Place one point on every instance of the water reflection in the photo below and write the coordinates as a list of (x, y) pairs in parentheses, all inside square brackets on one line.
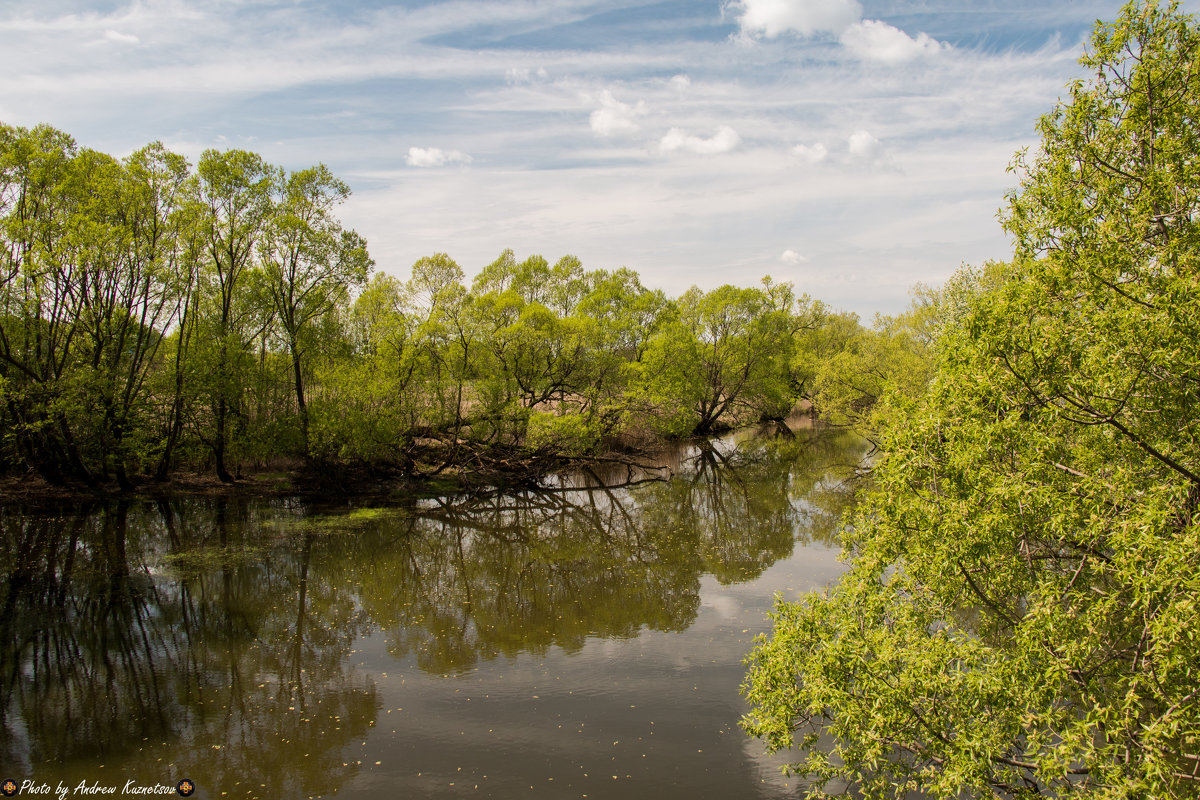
[(218, 637)]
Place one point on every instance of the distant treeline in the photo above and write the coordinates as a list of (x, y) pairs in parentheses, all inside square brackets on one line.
[(157, 315)]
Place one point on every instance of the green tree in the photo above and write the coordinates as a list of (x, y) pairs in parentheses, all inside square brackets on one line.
[(626, 312), (90, 286), (448, 338), (824, 335), (172, 381), (234, 189), (311, 263), (725, 350), (38, 305), (535, 351), (366, 407), (1021, 614), (857, 367), (129, 292)]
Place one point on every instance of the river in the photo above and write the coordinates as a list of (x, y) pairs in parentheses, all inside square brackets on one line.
[(572, 641)]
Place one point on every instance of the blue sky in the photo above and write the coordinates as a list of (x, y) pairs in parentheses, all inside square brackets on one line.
[(853, 148)]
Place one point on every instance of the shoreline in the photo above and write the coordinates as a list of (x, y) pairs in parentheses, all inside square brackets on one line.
[(322, 481), (647, 460)]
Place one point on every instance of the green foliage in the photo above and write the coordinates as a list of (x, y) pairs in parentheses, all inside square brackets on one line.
[(569, 434), (1021, 612), (155, 314), (86, 288), (356, 417), (722, 352), (311, 264), (363, 408), (858, 367)]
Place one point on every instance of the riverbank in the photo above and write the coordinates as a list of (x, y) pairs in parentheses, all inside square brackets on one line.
[(626, 461), (331, 480)]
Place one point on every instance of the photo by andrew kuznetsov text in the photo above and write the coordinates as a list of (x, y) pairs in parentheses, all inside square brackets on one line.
[(10, 788)]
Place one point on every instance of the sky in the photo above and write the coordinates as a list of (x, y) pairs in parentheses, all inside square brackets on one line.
[(851, 147)]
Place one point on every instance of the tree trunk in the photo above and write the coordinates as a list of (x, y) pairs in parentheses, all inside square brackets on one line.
[(301, 406), (176, 427), (219, 444), (176, 424), (74, 457)]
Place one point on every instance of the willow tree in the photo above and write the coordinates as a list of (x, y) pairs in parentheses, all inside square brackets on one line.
[(234, 189), (726, 350), (127, 245), (1022, 613), (87, 287), (365, 407), (311, 263), (38, 306)]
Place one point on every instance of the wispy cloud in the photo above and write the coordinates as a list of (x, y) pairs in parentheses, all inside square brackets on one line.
[(875, 146), (123, 38), (724, 140), (525, 74), (810, 153), (434, 157)]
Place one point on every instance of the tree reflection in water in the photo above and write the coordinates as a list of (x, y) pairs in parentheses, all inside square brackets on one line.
[(216, 637), (230, 670)]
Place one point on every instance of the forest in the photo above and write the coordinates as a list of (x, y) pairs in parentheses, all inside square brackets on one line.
[(157, 316)]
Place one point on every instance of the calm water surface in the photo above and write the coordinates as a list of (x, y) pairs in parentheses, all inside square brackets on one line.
[(573, 642)]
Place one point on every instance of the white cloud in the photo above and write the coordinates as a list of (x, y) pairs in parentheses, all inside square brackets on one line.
[(434, 157), (549, 185), (613, 116), (770, 18), (724, 140), (866, 149), (791, 257), (867, 39), (124, 38), (863, 145), (873, 40), (810, 154), (524, 74)]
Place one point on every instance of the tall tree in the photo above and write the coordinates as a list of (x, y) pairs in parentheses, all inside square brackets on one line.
[(311, 262), (366, 407), (188, 259), (448, 338), (234, 188), (126, 263), (40, 297), (1020, 618)]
